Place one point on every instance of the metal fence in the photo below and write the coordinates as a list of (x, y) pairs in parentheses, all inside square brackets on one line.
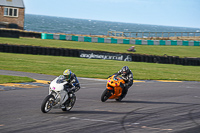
[(153, 34)]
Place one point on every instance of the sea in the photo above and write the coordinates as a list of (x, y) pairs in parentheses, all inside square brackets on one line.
[(52, 24)]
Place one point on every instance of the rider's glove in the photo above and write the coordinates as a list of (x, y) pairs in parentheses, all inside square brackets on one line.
[(109, 76), (75, 87)]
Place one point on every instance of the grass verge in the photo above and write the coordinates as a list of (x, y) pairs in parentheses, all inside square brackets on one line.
[(94, 68), (14, 79), (181, 51)]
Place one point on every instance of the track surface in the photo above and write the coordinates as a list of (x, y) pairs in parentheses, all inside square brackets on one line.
[(149, 107)]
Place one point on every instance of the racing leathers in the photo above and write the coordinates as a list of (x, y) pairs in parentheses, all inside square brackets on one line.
[(73, 83), (128, 78)]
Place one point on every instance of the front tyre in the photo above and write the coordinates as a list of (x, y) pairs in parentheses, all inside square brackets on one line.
[(70, 103), (106, 94), (47, 104)]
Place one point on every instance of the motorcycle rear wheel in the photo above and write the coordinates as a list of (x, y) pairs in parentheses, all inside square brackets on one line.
[(106, 94), (47, 104), (70, 103), (119, 99)]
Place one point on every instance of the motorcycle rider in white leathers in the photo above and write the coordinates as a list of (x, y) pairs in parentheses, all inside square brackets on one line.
[(72, 80)]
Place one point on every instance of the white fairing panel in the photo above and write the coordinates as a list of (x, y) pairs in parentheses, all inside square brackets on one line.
[(63, 96), (57, 86)]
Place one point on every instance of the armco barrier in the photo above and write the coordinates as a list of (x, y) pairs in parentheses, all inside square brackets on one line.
[(98, 54), (19, 33), (120, 41)]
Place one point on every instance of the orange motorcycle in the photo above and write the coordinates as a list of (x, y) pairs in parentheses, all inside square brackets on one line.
[(113, 88)]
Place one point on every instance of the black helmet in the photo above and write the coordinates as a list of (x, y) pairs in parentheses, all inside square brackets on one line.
[(125, 70)]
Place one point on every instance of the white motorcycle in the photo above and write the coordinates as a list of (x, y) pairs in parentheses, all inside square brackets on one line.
[(58, 96)]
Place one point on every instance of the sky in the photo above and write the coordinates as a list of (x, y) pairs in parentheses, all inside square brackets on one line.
[(181, 13)]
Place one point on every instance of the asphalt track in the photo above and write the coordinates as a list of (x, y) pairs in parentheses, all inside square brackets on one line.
[(149, 107)]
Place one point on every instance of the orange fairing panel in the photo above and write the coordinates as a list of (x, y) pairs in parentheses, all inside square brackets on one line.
[(118, 91), (115, 84), (109, 88), (117, 94)]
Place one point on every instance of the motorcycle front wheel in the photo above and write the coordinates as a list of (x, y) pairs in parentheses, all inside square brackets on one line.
[(70, 103), (47, 104), (106, 94)]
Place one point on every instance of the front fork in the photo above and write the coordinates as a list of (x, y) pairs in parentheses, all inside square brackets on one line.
[(110, 90), (109, 93), (55, 96)]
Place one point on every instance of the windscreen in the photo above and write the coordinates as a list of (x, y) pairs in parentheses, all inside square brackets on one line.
[(61, 79), (115, 78)]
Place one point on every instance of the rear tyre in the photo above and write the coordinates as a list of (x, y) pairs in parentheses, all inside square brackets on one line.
[(105, 95), (47, 104), (119, 99)]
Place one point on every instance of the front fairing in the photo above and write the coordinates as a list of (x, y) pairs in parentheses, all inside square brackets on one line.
[(113, 84), (56, 88), (114, 81), (58, 83)]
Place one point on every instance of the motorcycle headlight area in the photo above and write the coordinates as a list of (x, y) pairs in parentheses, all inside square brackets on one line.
[(53, 88)]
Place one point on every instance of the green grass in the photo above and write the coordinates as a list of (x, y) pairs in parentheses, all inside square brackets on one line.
[(181, 51), (14, 79), (94, 68), (99, 68)]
